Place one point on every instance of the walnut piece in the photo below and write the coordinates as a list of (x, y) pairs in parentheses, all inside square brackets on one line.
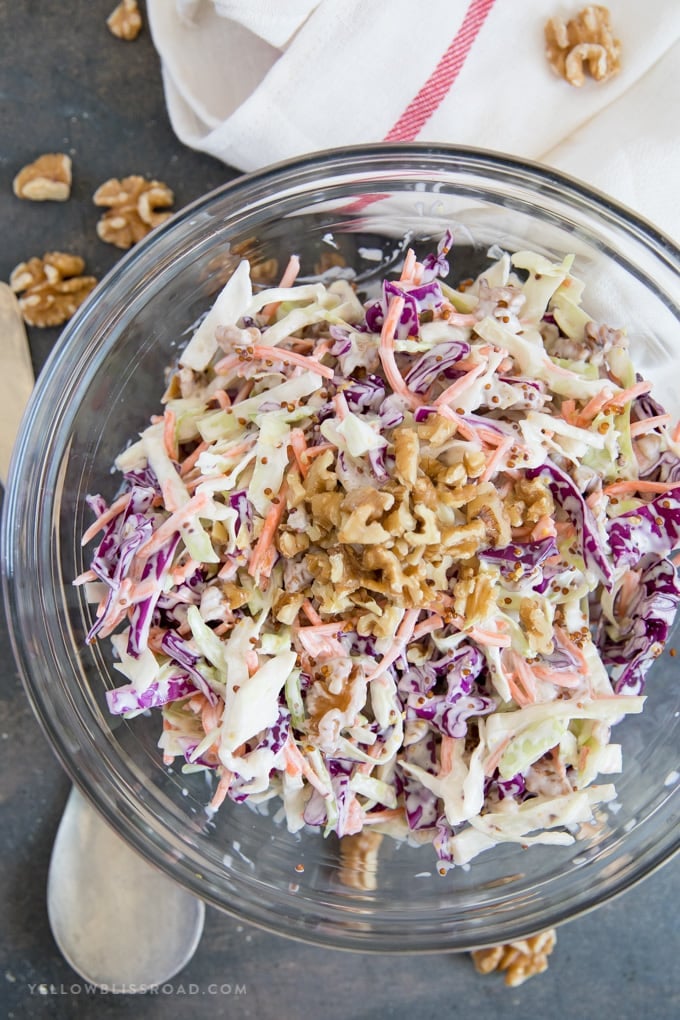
[(520, 960), (51, 288), (47, 179), (132, 203), (585, 41), (359, 860), (125, 21)]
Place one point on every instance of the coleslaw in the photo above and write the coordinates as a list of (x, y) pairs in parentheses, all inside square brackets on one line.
[(400, 563)]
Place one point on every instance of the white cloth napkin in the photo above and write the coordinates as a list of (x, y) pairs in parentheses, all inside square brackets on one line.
[(256, 81)]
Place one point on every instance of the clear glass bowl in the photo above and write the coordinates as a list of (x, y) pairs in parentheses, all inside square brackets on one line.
[(103, 381)]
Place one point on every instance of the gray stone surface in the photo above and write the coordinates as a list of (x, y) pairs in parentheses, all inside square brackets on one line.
[(67, 85)]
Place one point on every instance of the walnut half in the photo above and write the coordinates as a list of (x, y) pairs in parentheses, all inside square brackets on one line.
[(125, 22), (132, 204), (583, 42), (47, 179), (520, 960), (51, 288)]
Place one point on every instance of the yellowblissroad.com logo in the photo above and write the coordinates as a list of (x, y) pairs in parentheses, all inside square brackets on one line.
[(190, 988)]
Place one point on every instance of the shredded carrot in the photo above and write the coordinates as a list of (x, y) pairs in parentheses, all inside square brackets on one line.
[(87, 575), (675, 434), (257, 564), (273, 354), (340, 405), (490, 638), (228, 365), (297, 764), (593, 407), (313, 451), (222, 789), (311, 613), (173, 524), (298, 444), (169, 500), (402, 636), (210, 715), (374, 751), (386, 351), (222, 398), (378, 817), (495, 460), (518, 694), (675, 559), (543, 528), (629, 586), (244, 391), (409, 266), (181, 573), (456, 318), (289, 277), (170, 434), (524, 675), (117, 507), (565, 529), (228, 571), (640, 428), (446, 754), (189, 461), (619, 399), (454, 391), (562, 678), (637, 485), (491, 762), (433, 622)]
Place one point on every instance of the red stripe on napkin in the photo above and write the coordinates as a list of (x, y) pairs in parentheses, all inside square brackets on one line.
[(426, 101)]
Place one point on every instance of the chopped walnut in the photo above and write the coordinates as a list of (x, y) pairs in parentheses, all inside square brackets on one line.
[(362, 507), (407, 449), (475, 598), (132, 204), (436, 430), (47, 179), (530, 500), (125, 21), (520, 960), (536, 624), (359, 860), (585, 41), (489, 509), (51, 288)]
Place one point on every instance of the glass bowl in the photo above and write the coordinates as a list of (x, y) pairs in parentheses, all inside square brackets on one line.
[(105, 378)]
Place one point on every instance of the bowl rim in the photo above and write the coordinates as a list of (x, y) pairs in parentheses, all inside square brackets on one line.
[(482, 160)]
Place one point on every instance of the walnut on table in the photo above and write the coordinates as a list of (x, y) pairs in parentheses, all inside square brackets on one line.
[(132, 205), (46, 179), (51, 288), (125, 21), (520, 960), (585, 41)]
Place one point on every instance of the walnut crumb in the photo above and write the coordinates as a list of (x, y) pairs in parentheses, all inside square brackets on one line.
[(125, 21), (47, 179), (51, 288), (132, 204), (585, 42), (520, 960)]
